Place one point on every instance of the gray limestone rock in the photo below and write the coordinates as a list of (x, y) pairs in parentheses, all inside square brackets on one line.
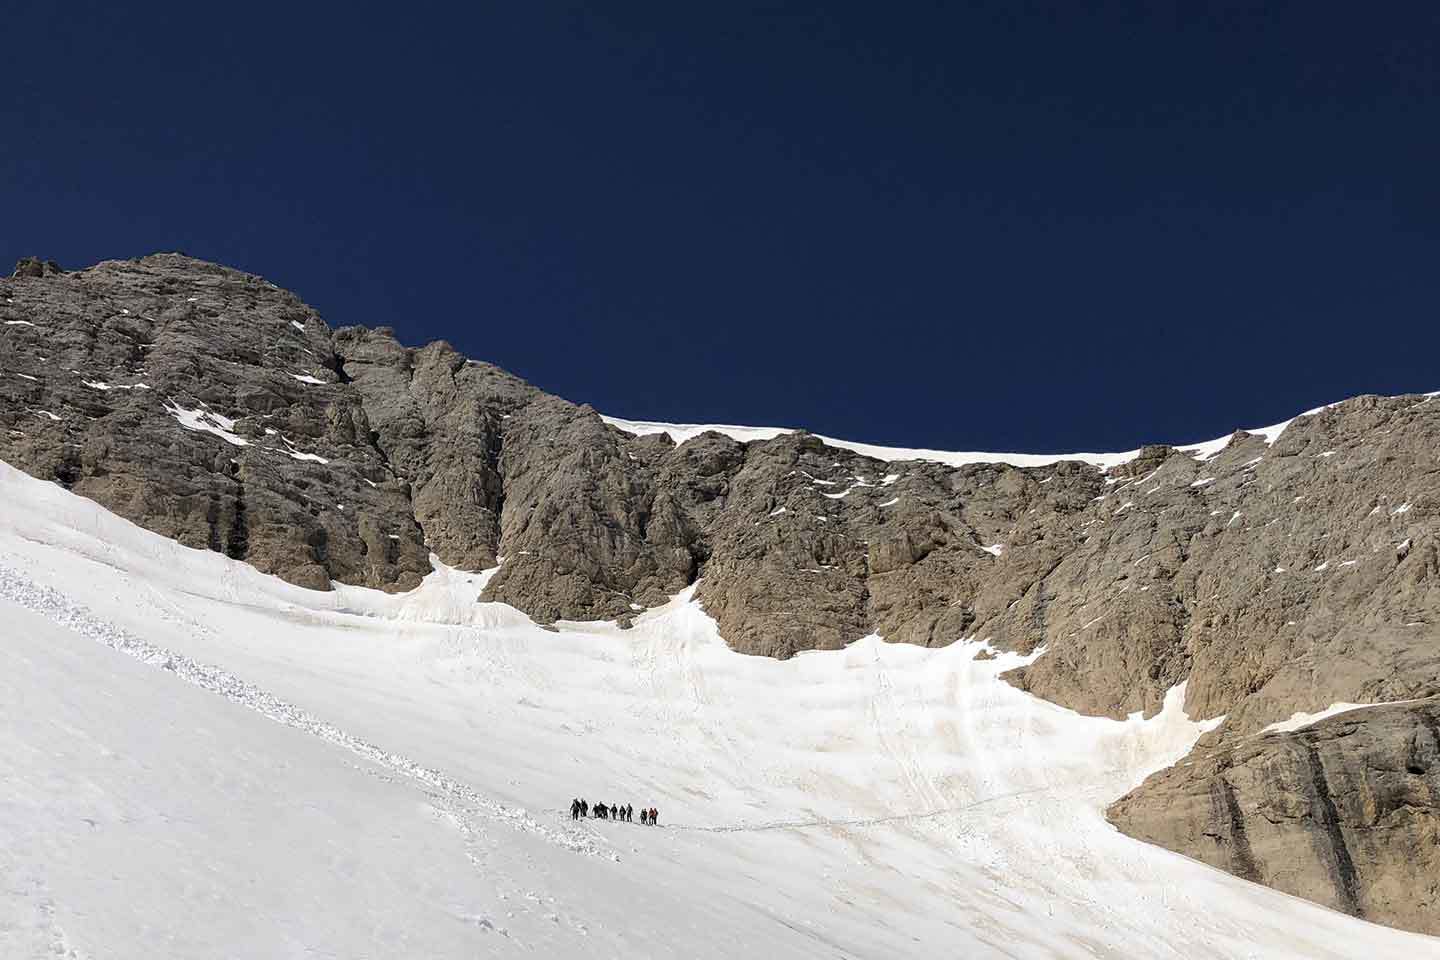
[(201, 403), (1345, 812), (35, 267), (1276, 575)]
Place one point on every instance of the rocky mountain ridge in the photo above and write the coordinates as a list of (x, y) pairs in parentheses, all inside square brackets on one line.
[(1277, 574)]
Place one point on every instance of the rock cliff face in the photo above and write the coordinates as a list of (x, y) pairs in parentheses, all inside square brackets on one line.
[(1276, 573), (1345, 813)]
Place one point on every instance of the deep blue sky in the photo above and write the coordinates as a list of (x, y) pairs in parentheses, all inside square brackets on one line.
[(989, 225)]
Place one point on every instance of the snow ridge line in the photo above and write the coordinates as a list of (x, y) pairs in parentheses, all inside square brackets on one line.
[(55, 606)]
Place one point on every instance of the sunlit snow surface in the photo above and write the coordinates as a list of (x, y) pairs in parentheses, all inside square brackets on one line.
[(201, 761), (1301, 720), (203, 420), (681, 432)]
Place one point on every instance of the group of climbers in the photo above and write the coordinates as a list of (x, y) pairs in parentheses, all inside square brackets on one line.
[(580, 809)]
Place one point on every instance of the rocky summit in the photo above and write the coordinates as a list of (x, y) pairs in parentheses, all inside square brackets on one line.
[(1273, 573)]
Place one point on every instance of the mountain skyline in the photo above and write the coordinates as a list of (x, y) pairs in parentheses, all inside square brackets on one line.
[(988, 227)]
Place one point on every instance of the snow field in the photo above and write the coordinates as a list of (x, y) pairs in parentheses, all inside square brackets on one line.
[(241, 767)]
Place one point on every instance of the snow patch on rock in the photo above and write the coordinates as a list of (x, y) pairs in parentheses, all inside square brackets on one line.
[(203, 420)]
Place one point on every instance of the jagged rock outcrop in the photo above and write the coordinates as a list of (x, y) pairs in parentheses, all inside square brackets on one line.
[(35, 267), (1273, 573), (1345, 812), (202, 403), (1274, 577)]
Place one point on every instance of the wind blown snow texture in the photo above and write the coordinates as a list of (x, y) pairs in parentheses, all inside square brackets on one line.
[(205, 761)]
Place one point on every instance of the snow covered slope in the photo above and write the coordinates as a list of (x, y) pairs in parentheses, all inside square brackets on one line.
[(202, 761)]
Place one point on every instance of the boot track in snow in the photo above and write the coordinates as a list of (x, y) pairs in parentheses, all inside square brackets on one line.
[(459, 800)]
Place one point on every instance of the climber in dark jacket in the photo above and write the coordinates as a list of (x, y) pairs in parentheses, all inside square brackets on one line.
[(575, 809)]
